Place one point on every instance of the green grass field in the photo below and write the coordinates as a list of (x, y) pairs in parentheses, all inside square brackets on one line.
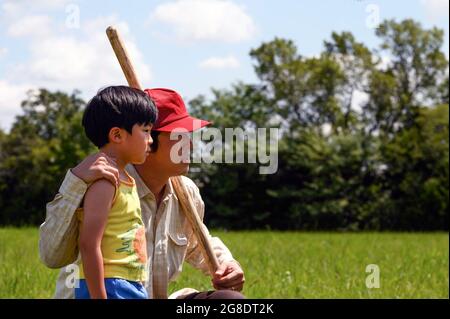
[(277, 265)]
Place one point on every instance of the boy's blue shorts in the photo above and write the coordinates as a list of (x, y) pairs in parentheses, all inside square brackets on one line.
[(115, 289)]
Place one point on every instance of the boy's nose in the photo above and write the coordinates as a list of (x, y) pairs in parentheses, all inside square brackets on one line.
[(150, 140)]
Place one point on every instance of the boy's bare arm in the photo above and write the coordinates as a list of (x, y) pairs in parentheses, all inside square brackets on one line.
[(58, 235), (97, 203)]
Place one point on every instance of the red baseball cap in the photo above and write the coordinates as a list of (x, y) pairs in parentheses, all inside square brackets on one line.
[(172, 113)]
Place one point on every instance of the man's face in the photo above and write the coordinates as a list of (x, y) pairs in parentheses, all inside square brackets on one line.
[(172, 155)]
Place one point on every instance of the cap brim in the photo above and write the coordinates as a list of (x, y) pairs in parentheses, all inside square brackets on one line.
[(189, 124)]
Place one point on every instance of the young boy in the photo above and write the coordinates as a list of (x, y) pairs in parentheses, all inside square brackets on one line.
[(118, 120)]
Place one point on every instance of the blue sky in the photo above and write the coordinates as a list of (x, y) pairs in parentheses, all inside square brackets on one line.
[(188, 45)]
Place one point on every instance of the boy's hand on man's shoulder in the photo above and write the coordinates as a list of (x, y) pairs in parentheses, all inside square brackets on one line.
[(97, 166)]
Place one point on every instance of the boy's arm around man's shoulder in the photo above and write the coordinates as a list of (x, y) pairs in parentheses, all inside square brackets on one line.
[(58, 235)]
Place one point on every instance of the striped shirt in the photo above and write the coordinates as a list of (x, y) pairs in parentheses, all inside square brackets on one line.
[(170, 239)]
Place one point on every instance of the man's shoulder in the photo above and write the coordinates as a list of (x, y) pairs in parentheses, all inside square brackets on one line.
[(191, 187), (189, 183)]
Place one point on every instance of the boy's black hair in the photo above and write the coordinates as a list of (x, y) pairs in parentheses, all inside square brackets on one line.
[(117, 106)]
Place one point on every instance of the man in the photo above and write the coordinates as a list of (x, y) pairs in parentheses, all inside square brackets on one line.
[(170, 239)]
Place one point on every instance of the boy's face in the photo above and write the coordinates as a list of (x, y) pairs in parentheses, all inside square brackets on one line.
[(137, 145)]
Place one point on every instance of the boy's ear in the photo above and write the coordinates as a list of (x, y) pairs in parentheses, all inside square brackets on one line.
[(116, 135)]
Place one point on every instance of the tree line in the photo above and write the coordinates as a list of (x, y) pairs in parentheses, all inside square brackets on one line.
[(364, 139)]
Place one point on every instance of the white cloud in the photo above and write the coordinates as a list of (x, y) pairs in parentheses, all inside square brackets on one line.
[(210, 20), (229, 62), (82, 60), (384, 62), (436, 8), (37, 26), (87, 63), (10, 98), (326, 129), (14, 7), (3, 52), (359, 100), (11, 10)]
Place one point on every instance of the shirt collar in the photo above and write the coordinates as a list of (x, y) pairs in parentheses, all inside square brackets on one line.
[(143, 190), (168, 191)]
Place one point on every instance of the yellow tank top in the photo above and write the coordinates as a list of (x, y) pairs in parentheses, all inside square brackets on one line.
[(123, 246)]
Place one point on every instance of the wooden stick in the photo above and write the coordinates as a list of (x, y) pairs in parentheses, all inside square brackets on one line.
[(184, 198), (123, 57), (188, 207)]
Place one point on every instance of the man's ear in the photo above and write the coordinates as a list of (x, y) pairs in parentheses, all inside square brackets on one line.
[(116, 135)]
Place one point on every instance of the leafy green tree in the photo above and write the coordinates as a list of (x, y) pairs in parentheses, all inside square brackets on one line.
[(414, 77), (357, 63), (375, 165), (43, 143), (301, 90), (379, 164), (416, 173)]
